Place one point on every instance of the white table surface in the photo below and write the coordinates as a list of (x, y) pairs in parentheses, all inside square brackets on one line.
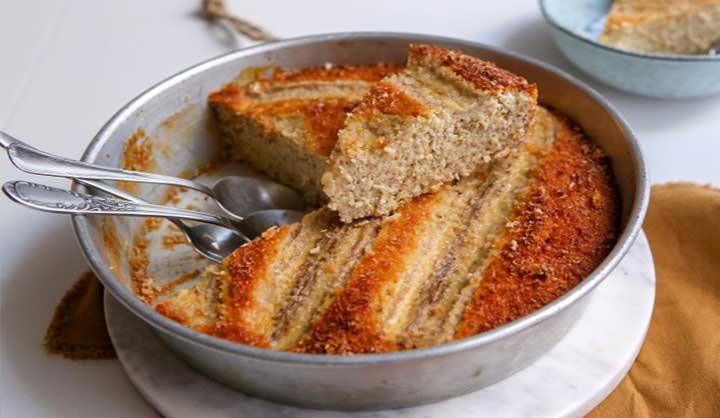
[(68, 65)]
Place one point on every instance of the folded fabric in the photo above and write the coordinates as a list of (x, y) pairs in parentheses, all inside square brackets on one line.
[(77, 330), (677, 373)]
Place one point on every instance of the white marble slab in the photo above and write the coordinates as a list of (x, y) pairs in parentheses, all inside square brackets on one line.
[(570, 380)]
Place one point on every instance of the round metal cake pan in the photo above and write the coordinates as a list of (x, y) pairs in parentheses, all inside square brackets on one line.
[(375, 381)]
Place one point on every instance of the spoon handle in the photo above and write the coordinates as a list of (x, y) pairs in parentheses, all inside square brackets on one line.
[(50, 199), (114, 191), (31, 160), (103, 187), (6, 140)]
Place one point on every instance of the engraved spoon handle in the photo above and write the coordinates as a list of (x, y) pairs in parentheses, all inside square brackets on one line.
[(50, 199), (98, 185), (31, 160)]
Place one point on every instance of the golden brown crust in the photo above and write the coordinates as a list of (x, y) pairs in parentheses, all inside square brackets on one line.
[(230, 95), (166, 310), (323, 121), (565, 229), (369, 73), (388, 99), (322, 117), (350, 324), (242, 97), (244, 268), (483, 75)]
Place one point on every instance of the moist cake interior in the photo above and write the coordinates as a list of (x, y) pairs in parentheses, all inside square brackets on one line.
[(285, 122), (366, 139), (444, 117)]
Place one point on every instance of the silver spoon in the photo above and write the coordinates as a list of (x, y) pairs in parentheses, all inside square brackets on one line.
[(51, 199), (215, 238), (235, 195), (245, 194), (204, 237), (256, 223), (215, 244), (211, 241)]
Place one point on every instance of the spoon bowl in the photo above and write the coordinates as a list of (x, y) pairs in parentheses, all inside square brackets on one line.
[(256, 223), (213, 242), (239, 196), (216, 242), (210, 240)]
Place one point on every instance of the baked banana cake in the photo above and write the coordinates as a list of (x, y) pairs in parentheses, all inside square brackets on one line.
[(445, 116), (663, 26), (285, 122), (463, 259)]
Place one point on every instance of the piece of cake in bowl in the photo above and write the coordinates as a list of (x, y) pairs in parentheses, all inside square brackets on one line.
[(663, 26)]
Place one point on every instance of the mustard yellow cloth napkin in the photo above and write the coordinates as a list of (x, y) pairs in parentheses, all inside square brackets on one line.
[(677, 373), (77, 330)]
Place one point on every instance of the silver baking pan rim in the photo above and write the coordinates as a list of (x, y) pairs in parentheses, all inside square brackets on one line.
[(628, 235)]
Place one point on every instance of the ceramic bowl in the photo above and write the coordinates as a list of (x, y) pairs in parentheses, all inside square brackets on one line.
[(576, 27)]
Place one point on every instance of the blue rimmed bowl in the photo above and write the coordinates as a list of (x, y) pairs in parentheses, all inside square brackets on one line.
[(576, 26)]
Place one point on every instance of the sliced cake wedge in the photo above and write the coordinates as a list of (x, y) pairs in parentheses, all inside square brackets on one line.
[(445, 116), (285, 122)]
